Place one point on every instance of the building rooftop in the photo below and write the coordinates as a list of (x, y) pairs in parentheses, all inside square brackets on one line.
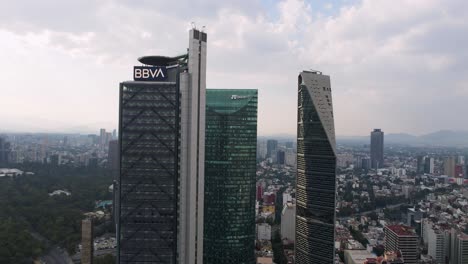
[(265, 260), (402, 230), (463, 236), (156, 60), (357, 256), (9, 172), (313, 71)]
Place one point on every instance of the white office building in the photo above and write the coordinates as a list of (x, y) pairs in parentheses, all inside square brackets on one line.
[(288, 222)]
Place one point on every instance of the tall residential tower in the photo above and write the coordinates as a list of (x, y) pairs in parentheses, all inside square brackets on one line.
[(316, 165), (230, 176), (272, 147), (377, 148), (4, 151), (162, 143)]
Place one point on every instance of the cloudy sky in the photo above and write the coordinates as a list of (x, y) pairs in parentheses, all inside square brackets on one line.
[(398, 65)]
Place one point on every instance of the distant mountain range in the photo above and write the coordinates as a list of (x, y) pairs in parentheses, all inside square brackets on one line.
[(447, 138)]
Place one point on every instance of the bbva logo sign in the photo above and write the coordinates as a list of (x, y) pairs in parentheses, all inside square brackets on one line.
[(149, 73)]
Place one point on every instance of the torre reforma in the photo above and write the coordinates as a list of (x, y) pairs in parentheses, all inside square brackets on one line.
[(316, 165), (162, 143)]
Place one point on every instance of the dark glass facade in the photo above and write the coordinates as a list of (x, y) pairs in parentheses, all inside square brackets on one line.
[(230, 166), (272, 146), (4, 151), (316, 164), (377, 149), (148, 184)]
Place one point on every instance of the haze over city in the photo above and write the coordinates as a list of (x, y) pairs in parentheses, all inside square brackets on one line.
[(402, 67), (234, 132)]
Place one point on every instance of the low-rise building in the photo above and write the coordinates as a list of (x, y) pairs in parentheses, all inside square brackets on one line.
[(357, 256), (263, 231)]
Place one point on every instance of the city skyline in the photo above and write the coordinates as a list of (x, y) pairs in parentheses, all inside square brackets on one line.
[(408, 64), (159, 165)]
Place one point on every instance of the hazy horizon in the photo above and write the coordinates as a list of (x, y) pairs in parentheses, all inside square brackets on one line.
[(278, 135)]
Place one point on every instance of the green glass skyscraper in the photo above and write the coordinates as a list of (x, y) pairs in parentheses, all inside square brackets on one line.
[(230, 165)]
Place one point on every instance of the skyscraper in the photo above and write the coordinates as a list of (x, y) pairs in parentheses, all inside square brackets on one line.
[(366, 163), (280, 157), (449, 166), (261, 149), (377, 148), (108, 139), (429, 165), (272, 146), (420, 167), (4, 151), (87, 242), (316, 165), (459, 173), (102, 138), (113, 157), (230, 167), (404, 239), (162, 145)]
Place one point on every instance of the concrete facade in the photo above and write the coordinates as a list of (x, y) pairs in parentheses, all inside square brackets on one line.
[(192, 161), (438, 244), (288, 222), (459, 248), (404, 239)]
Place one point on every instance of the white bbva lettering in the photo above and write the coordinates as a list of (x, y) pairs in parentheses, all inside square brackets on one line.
[(153, 73), (157, 72), (146, 73), (137, 73)]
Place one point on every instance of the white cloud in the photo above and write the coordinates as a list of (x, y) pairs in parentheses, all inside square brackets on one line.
[(394, 66)]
